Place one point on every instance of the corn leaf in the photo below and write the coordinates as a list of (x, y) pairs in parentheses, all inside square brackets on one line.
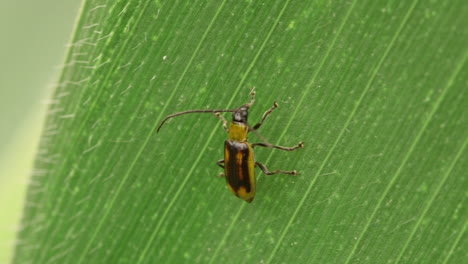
[(375, 89)]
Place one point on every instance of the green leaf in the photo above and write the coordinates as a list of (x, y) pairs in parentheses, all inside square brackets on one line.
[(375, 89)]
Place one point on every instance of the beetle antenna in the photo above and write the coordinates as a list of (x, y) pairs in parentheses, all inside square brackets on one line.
[(194, 111), (248, 105)]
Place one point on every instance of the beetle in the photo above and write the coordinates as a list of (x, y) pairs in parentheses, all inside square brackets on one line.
[(239, 160)]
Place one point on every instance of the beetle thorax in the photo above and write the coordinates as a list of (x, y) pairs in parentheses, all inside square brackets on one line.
[(238, 131)]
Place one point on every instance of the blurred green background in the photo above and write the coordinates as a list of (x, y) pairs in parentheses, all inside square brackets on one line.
[(34, 37)]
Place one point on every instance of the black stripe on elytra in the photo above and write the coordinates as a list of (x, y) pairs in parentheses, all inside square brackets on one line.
[(237, 175)]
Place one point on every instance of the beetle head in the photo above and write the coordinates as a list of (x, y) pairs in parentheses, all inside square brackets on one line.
[(241, 115)]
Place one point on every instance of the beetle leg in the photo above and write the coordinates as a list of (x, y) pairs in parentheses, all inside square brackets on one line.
[(225, 122), (265, 115), (252, 99), (220, 163), (267, 145), (267, 172)]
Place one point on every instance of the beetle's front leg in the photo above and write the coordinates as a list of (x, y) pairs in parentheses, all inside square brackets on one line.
[(221, 164), (267, 172), (225, 122), (265, 115), (267, 145)]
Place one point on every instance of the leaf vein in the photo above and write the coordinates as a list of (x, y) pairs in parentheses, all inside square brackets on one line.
[(408, 154), (153, 129), (432, 199)]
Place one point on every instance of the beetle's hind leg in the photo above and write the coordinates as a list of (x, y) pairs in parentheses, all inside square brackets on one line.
[(265, 115), (267, 172), (221, 164), (267, 145)]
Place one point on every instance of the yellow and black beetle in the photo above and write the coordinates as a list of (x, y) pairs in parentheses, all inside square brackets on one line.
[(239, 161)]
